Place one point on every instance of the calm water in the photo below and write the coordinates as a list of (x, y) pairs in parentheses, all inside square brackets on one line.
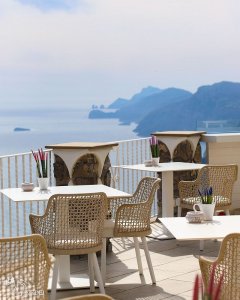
[(56, 126), (49, 127)]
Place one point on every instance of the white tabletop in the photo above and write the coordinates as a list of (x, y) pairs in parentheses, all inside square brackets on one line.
[(165, 167), (218, 228), (167, 170), (17, 194)]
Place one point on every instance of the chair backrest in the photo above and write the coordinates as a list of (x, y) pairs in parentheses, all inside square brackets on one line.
[(133, 217), (146, 189), (227, 265), (220, 177), (72, 223), (24, 267), (144, 193)]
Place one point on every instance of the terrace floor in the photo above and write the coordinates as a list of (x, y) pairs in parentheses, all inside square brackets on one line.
[(175, 268)]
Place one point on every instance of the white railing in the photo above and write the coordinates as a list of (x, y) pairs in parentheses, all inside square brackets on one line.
[(18, 168), (130, 152), (15, 169)]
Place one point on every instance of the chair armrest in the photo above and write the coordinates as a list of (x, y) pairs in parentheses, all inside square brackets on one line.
[(116, 202), (41, 224), (206, 267), (37, 223), (207, 261), (132, 218)]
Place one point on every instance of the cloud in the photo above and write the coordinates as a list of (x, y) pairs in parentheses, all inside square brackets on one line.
[(49, 5), (103, 49)]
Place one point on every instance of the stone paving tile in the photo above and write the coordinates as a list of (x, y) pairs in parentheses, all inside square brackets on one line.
[(190, 276), (175, 268), (164, 289)]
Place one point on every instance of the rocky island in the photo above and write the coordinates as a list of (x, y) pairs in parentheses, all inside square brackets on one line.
[(21, 129)]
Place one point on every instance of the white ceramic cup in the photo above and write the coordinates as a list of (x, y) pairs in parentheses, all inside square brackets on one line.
[(43, 183), (155, 161), (207, 209)]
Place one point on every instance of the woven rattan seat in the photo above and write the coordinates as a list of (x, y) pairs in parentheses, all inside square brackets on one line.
[(227, 265), (24, 268), (73, 225), (130, 217), (220, 178)]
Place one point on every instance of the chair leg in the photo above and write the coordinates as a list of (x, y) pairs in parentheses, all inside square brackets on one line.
[(91, 274), (201, 245), (103, 260), (139, 261), (148, 258), (179, 214), (97, 273), (123, 242), (54, 278)]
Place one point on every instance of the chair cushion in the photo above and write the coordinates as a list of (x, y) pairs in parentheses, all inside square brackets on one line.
[(108, 228), (220, 201)]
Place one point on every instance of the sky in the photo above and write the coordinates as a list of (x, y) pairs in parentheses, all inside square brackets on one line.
[(75, 53)]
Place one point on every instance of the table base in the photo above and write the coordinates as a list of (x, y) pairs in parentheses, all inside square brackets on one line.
[(67, 281), (77, 281)]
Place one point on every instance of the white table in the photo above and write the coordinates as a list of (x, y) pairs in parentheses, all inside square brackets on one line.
[(17, 194), (218, 228), (167, 170)]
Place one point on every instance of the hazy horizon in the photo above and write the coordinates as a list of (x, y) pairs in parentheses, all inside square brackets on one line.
[(82, 52)]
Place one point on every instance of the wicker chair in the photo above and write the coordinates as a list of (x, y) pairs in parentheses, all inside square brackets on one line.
[(220, 178), (73, 225), (90, 297), (227, 265), (130, 217), (24, 268)]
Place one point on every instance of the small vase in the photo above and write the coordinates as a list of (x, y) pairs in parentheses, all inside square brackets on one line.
[(43, 183), (207, 209), (155, 161)]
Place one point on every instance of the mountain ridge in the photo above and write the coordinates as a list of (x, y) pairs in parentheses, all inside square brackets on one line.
[(178, 109), (214, 102)]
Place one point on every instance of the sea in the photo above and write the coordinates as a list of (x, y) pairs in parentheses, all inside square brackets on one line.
[(49, 126), (53, 126)]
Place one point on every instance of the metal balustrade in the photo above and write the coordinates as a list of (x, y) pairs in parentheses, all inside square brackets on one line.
[(14, 170), (130, 152), (18, 168)]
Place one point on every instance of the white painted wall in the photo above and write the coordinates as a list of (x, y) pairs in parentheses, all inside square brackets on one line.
[(225, 149)]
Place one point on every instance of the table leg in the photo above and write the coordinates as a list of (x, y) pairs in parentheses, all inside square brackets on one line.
[(201, 246), (64, 268), (167, 194), (67, 281)]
